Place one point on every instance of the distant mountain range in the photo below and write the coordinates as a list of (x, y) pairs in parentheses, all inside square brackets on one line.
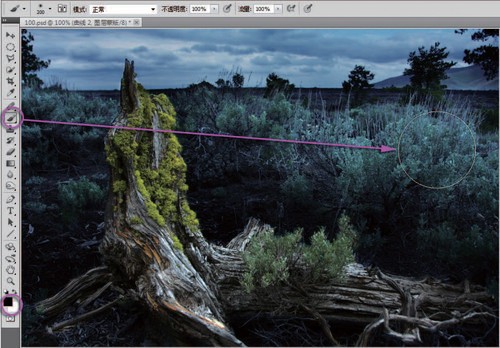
[(469, 78)]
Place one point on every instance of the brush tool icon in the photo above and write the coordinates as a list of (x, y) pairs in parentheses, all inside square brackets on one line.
[(11, 117)]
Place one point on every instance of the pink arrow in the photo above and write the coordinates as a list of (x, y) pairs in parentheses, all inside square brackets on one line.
[(382, 148)]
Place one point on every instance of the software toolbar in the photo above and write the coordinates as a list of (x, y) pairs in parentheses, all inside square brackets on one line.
[(258, 8), (10, 140)]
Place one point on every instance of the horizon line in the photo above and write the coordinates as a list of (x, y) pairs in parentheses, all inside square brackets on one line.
[(297, 88)]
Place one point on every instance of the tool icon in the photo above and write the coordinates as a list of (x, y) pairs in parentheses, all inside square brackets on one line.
[(10, 57), (308, 8), (290, 8), (11, 281), (11, 259), (10, 46), (10, 199), (10, 69), (10, 209), (11, 116), (11, 269), (227, 8), (10, 246), (14, 9), (10, 151), (11, 92), (12, 36), (10, 140), (9, 185), (10, 163), (10, 175), (10, 222), (10, 233), (10, 80)]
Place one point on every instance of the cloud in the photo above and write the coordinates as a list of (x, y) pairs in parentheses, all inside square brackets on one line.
[(165, 58), (204, 48), (140, 49), (272, 60)]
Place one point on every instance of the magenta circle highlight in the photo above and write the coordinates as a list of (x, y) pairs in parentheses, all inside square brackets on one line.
[(21, 117), (18, 298)]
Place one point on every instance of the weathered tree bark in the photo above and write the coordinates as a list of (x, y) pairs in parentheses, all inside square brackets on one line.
[(196, 289)]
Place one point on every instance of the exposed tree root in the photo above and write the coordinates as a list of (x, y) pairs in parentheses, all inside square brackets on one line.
[(85, 316), (77, 290), (323, 323), (412, 324)]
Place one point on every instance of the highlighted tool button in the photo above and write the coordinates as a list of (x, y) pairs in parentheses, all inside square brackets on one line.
[(12, 117)]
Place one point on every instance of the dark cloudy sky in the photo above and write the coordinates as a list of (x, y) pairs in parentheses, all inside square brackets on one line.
[(169, 58)]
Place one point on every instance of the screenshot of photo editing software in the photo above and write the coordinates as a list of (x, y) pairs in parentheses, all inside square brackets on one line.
[(249, 173)]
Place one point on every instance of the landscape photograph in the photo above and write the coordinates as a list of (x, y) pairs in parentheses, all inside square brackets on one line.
[(291, 187)]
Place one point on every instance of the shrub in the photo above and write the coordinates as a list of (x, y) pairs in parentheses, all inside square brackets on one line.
[(269, 259), (490, 120), (36, 150), (75, 195), (47, 146), (276, 84), (219, 192), (35, 199), (325, 260), (297, 188), (213, 112), (375, 189), (37, 208), (233, 119), (383, 202), (471, 254), (275, 261)]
